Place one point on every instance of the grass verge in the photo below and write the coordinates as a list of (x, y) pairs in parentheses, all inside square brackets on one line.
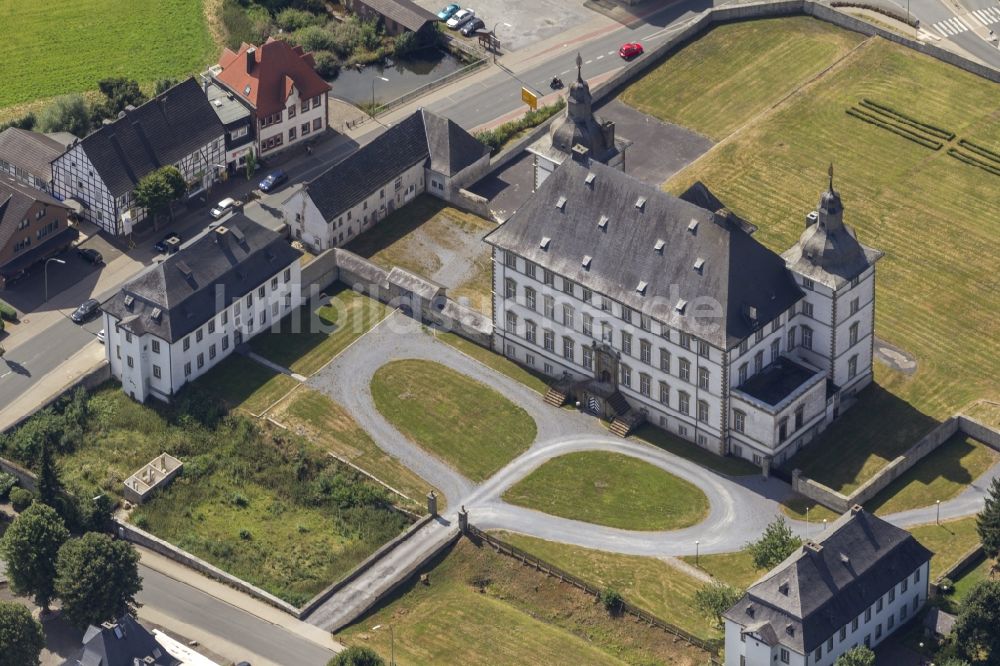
[(245, 384), (611, 489), (662, 439), (948, 541), (736, 569), (534, 380), (467, 424)]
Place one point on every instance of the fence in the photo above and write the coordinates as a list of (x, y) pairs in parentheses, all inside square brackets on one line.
[(379, 109), (505, 548)]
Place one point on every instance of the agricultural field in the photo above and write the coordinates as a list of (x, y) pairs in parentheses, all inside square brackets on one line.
[(611, 489), (54, 48), (926, 200), (467, 424), (480, 607)]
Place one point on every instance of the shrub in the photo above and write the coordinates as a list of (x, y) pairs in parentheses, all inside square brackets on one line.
[(946, 586), (240, 500), (715, 599), (357, 655), (20, 499), (327, 64), (245, 534), (7, 483), (66, 114), (292, 19), (25, 122), (497, 137), (611, 600), (140, 521), (7, 311), (314, 38)]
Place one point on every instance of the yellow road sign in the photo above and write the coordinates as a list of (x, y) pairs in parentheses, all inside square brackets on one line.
[(529, 98)]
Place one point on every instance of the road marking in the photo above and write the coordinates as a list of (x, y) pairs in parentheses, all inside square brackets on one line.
[(943, 29), (599, 57), (963, 25), (588, 62), (980, 17)]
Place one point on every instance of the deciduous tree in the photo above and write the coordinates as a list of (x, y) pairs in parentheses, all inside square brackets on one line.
[(976, 634), (97, 579), (66, 114), (21, 636), (30, 547), (857, 656), (158, 189), (774, 545), (715, 599)]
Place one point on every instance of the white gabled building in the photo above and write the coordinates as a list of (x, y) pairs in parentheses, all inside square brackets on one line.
[(859, 583), (176, 128), (422, 153), (666, 309), (177, 320)]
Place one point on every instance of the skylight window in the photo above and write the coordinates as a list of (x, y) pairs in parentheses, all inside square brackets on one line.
[(246, 91)]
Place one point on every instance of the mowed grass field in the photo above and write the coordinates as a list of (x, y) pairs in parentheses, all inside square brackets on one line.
[(933, 216), (466, 424), (54, 48), (611, 489)]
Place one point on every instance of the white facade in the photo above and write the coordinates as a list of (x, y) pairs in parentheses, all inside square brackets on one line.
[(891, 611), (150, 366), (297, 122)]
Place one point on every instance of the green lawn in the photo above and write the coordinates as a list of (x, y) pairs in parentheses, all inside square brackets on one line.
[(929, 286), (482, 608), (53, 48), (984, 412), (722, 464), (534, 380), (467, 424), (246, 384), (663, 590), (611, 489), (736, 569), (259, 502), (425, 235), (329, 426), (753, 65), (948, 541), (964, 584), (797, 505), (309, 339)]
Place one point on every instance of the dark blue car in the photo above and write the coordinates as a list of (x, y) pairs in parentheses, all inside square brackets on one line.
[(273, 179)]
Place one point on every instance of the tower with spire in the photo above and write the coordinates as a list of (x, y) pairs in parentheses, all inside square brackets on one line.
[(577, 134), (836, 319)]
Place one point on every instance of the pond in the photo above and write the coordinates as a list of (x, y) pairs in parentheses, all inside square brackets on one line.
[(394, 78)]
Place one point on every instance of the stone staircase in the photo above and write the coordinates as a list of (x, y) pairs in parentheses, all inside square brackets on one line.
[(555, 396), (625, 423), (618, 403)]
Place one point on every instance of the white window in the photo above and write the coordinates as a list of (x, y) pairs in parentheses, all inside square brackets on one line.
[(852, 366), (567, 315), (626, 343), (742, 374), (684, 369), (683, 402), (739, 421), (529, 297), (588, 358), (644, 384), (156, 371), (549, 340), (807, 283), (807, 308), (529, 330), (702, 411), (626, 375), (703, 378), (645, 351), (568, 348), (664, 393), (511, 321), (156, 346), (807, 338), (664, 360), (510, 288), (853, 335)]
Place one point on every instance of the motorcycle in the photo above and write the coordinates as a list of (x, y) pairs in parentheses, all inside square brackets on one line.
[(556, 83)]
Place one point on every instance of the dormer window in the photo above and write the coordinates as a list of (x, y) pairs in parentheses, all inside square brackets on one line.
[(602, 223), (589, 180), (659, 245), (545, 243), (693, 226), (561, 204), (783, 588), (699, 264), (586, 262), (681, 306), (640, 203), (129, 302), (641, 288)]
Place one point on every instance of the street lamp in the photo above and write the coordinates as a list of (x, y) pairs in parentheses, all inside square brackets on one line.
[(938, 502), (496, 42), (372, 112), (697, 551), (58, 261)]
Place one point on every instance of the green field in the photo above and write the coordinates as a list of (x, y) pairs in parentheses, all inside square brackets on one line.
[(932, 215), (54, 48), (329, 426), (736, 569), (949, 541), (245, 384), (467, 424), (662, 439), (534, 380), (484, 608), (308, 339), (611, 489)]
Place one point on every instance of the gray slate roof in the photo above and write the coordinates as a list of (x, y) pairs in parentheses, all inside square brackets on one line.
[(162, 131), (737, 271), (16, 199), (30, 151), (121, 644), (221, 267), (407, 14), (439, 143), (860, 559)]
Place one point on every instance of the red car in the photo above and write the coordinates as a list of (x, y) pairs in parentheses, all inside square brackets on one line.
[(630, 50)]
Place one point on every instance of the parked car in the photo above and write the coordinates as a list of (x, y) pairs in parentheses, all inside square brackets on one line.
[(101, 336), (87, 310), (630, 50), (272, 180), (460, 18), (90, 255), (448, 11), (15, 277), (223, 207), (169, 244), (472, 26)]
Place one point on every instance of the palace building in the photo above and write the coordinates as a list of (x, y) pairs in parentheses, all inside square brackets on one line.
[(643, 306)]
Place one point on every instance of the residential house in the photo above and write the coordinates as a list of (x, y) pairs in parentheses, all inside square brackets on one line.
[(122, 643), (423, 153), (33, 227), (648, 306), (236, 119), (180, 318), (857, 584), (280, 85), (28, 156), (177, 127), (396, 16)]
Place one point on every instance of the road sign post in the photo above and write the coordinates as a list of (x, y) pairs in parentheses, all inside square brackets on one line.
[(529, 98)]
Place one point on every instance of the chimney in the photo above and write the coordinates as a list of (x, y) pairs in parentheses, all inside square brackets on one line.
[(251, 58), (580, 154)]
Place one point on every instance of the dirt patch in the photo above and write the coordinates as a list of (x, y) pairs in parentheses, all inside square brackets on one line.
[(894, 357)]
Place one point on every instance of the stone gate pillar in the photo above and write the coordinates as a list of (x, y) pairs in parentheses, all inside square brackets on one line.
[(432, 503)]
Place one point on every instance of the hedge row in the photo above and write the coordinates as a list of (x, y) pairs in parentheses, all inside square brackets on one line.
[(971, 161), (7, 312), (979, 150), (912, 22), (900, 131), (497, 137), (889, 111)]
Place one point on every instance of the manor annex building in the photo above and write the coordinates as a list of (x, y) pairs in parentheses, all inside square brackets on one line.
[(649, 307)]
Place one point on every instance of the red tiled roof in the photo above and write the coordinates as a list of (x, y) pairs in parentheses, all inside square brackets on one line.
[(278, 66)]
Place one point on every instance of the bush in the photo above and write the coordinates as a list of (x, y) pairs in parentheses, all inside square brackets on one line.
[(66, 114), (357, 655), (611, 600), (7, 483), (497, 137), (25, 122), (327, 64), (245, 535), (314, 38), (292, 19), (715, 599), (21, 498), (7, 311), (946, 586)]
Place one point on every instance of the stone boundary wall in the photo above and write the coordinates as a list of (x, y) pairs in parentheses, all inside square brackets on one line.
[(321, 271), (25, 477), (91, 380), (139, 537), (364, 566), (932, 440), (959, 568)]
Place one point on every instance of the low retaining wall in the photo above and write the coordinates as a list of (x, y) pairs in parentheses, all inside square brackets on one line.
[(25, 478), (139, 537), (964, 563), (839, 502), (92, 379)]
